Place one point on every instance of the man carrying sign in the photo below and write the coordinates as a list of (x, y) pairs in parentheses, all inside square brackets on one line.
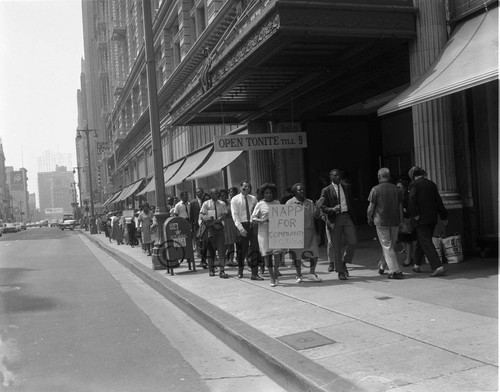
[(310, 250)]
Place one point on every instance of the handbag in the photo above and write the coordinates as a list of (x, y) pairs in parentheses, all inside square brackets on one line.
[(406, 226), (452, 247)]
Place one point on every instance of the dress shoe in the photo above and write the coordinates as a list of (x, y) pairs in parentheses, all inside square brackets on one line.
[(345, 270), (395, 275), (223, 275), (416, 268), (256, 277), (438, 272), (240, 276), (211, 273), (331, 268), (381, 271), (407, 265), (342, 276)]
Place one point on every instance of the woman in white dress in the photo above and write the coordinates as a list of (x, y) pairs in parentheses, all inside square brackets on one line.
[(268, 194)]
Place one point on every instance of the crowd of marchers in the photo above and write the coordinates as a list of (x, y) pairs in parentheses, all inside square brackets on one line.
[(230, 227)]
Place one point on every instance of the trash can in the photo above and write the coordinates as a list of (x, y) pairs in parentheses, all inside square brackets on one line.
[(178, 241)]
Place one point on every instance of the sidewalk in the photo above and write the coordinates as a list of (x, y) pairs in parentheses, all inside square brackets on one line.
[(365, 334)]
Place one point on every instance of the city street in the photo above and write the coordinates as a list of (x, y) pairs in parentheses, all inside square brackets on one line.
[(72, 319)]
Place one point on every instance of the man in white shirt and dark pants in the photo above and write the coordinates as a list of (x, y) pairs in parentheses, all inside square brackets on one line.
[(242, 206)]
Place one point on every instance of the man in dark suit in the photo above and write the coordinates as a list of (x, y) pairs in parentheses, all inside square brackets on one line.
[(425, 205), (336, 200), (194, 214)]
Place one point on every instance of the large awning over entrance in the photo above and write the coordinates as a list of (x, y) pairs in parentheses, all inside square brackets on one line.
[(217, 161), (191, 163), (111, 198), (470, 58)]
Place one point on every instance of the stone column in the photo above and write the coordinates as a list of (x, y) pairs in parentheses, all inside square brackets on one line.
[(432, 120), (261, 161)]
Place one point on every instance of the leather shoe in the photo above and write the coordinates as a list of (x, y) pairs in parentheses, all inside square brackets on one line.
[(223, 275), (331, 268), (240, 276), (342, 276), (256, 277), (395, 275), (438, 272), (416, 269), (211, 273), (344, 269)]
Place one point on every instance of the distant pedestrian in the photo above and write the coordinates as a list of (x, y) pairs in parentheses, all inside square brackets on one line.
[(194, 214), (425, 206), (145, 221), (384, 211), (117, 228), (310, 251), (336, 203)]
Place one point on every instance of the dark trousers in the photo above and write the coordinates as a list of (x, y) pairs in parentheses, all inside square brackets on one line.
[(343, 231), (249, 244), (425, 247)]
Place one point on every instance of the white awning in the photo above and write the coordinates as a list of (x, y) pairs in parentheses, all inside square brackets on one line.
[(130, 190), (217, 161), (148, 188), (191, 163), (172, 169), (115, 197), (110, 198), (469, 58)]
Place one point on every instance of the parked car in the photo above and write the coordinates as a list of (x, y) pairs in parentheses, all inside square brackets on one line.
[(44, 223), (24, 226), (10, 228), (54, 223), (68, 222), (1, 228)]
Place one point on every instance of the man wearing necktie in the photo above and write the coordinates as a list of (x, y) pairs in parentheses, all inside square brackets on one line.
[(213, 212), (194, 214), (183, 206), (242, 206), (337, 204)]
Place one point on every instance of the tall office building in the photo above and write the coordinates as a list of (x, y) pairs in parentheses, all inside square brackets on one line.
[(55, 192)]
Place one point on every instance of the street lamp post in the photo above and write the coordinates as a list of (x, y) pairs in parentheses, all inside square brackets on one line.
[(93, 227), (161, 213)]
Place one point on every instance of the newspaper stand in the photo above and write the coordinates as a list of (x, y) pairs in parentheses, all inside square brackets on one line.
[(178, 243)]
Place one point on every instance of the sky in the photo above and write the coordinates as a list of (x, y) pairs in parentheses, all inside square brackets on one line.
[(41, 47)]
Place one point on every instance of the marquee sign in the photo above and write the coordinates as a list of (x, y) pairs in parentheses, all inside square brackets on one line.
[(261, 141)]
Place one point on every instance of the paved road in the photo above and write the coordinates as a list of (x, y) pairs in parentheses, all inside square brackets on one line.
[(72, 319)]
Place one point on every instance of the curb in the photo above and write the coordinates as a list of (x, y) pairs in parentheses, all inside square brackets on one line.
[(291, 370)]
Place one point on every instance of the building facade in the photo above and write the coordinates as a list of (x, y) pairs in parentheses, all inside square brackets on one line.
[(4, 199), (320, 70), (17, 185), (55, 193)]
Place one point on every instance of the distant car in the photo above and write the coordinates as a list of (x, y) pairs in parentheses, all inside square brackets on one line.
[(18, 226), (44, 223), (1, 228), (10, 228), (69, 222), (54, 223), (23, 226)]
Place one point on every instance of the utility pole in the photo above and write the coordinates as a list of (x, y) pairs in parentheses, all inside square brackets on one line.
[(93, 227), (159, 261)]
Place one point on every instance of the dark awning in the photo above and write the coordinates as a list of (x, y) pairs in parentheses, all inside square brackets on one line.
[(130, 190), (470, 58)]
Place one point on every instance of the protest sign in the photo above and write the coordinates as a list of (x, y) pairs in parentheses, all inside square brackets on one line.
[(286, 226)]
